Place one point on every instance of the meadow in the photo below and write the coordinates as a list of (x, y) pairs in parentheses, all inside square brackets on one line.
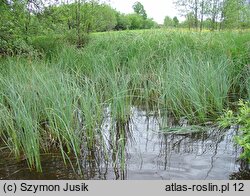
[(58, 99)]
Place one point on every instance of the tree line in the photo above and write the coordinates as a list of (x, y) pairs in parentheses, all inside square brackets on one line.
[(212, 14), (22, 19)]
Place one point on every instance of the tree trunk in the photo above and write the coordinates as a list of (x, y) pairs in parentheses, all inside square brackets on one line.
[(202, 15), (196, 14)]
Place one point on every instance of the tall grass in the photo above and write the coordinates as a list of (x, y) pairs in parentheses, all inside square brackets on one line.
[(41, 108), (60, 103), (189, 74)]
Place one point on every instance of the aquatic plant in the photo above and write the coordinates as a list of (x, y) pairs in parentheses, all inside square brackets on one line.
[(60, 103)]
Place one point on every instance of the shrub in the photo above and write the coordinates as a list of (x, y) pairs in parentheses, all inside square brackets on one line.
[(72, 38), (48, 45), (16, 47), (243, 120)]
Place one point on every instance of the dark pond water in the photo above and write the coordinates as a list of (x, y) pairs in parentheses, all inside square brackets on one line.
[(147, 155)]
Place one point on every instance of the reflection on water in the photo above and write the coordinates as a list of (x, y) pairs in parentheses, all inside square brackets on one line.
[(137, 150), (53, 168)]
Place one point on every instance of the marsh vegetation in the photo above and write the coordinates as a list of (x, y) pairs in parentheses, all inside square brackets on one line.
[(60, 101), (70, 86)]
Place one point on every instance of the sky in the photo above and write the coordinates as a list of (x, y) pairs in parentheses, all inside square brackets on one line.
[(156, 9)]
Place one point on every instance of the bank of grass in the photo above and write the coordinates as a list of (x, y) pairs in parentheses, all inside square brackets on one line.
[(60, 102)]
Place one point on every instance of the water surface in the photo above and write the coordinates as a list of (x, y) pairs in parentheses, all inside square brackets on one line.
[(148, 154)]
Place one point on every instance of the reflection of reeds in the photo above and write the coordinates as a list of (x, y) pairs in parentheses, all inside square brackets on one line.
[(60, 103)]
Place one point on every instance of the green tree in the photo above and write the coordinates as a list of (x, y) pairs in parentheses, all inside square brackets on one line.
[(123, 21), (104, 18), (214, 12), (168, 22), (13, 26), (190, 20), (139, 9), (245, 18), (186, 7), (149, 23), (235, 13), (136, 21), (175, 21), (198, 8), (223, 13)]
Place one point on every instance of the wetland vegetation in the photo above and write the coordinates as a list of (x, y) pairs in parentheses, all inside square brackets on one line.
[(80, 101)]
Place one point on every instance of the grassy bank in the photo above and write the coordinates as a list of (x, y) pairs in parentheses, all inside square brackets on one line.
[(60, 102)]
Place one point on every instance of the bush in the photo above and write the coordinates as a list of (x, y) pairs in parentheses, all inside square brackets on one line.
[(72, 38), (21, 47), (3, 46), (16, 47), (243, 120), (47, 45)]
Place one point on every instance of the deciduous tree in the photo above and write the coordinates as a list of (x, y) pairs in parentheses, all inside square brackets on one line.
[(139, 9)]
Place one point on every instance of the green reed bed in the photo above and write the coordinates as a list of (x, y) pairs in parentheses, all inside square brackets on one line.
[(60, 102), (189, 74), (41, 109)]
